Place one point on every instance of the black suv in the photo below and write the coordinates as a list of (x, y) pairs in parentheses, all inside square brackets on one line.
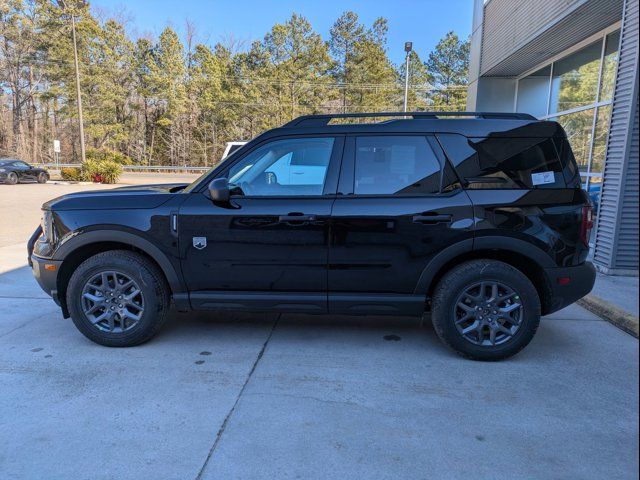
[(475, 218)]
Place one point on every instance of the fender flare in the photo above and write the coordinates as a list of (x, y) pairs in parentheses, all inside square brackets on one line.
[(97, 236), (511, 244)]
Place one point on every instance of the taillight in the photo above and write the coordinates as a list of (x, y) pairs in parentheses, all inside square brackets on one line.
[(587, 224)]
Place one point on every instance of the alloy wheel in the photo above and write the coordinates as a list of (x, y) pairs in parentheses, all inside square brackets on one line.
[(112, 301), (488, 313)]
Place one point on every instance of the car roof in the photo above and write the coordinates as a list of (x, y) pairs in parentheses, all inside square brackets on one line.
[(471, 124)]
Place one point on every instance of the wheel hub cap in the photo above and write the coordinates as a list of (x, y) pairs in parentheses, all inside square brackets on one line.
[(488, 313), (112, 301)]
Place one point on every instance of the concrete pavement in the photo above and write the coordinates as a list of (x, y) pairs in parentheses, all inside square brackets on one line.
[(260, 397)]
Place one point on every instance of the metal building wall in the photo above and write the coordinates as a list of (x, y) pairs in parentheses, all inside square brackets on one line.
[(520, 34), (616, 249), (508, 24)]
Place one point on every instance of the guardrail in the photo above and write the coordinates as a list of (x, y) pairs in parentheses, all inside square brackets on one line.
[(138, 168)]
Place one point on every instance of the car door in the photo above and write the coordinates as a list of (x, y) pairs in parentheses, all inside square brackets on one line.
[(23, 170), (401, 206), (267, 247)]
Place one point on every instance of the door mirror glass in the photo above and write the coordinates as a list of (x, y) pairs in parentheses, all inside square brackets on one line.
[(219, 190)]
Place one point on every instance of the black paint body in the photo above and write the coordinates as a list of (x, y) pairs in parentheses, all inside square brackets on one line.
[(361, 254), (24, 171)]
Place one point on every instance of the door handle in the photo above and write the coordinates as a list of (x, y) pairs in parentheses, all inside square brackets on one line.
[(431, 219), (296, 218)]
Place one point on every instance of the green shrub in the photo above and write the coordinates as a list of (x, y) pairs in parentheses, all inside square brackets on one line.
[(106, 154), (101, 171), (110, 171), (72, 174)]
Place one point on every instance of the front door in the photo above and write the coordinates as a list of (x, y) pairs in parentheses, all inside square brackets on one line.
[(400, 207), (267, 247)]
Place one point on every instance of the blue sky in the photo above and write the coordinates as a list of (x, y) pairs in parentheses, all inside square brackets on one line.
[(422, 22)]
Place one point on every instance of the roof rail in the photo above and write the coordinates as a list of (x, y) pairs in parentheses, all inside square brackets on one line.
[(324, 119)]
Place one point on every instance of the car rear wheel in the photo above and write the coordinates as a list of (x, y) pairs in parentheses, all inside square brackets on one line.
[(12, 178), (485, 310), (43, 177), (118, 298)]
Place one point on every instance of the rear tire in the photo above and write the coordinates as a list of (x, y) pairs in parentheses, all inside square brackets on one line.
[(42, 177), (94, 303), (12, 178), (480, 321)]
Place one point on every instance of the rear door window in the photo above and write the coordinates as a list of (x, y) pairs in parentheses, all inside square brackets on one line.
[(505, 163), (395, 165)]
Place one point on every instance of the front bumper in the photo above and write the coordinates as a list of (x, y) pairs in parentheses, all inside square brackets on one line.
[(44, 270), (567, 285)]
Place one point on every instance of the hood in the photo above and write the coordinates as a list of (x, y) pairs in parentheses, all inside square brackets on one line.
[(131, 197)]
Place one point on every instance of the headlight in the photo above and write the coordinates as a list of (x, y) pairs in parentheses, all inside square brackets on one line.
[(3, 169), (47, 226)]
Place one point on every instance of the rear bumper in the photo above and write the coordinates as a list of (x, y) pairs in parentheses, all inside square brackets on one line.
[(562, 292)]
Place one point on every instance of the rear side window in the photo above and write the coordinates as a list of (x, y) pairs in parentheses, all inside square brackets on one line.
[(395, 165), (505, 163)]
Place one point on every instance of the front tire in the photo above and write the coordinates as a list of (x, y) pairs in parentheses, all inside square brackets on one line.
[(118, 298), (12, 178), (485, 310), (42, 177)]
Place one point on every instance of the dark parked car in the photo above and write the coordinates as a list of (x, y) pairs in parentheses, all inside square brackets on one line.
[(13, 171), (478, 219)]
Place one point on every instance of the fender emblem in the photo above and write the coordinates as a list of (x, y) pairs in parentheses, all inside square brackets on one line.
[(199, 242)]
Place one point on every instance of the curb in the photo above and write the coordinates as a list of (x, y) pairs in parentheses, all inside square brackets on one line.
[(612, 314)]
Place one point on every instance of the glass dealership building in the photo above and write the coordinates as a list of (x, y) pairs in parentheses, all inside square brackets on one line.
[(575, 62)]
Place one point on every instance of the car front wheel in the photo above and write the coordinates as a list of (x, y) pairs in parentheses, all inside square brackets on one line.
[(118, 298), (485, 310), (43, 177), (12, 178)]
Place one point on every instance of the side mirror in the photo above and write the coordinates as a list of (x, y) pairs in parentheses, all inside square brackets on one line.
[(219, 190)]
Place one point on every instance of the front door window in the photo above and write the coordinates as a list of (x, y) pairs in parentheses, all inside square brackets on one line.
[(291, 167)]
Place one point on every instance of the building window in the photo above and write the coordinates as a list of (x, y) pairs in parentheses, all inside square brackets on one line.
[(577, 91), (575, 79), (531, 89), (578, 126), (610, 62)]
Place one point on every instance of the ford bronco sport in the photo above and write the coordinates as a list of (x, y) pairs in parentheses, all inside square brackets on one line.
[(475, 218)]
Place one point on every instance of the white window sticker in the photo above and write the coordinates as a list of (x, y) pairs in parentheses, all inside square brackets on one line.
[(543, 177)]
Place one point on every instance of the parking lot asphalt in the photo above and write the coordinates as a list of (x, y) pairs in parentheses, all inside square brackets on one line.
[(224, 396)]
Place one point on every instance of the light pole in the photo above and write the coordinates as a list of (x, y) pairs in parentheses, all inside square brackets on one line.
[(408, 46), (77, 68)]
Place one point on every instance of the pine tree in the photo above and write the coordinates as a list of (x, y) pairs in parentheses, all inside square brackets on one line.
[(448, 64)]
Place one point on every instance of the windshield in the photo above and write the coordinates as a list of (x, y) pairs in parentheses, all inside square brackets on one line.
[(197, 181)]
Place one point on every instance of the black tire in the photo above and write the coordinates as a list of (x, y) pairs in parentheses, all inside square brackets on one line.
[(43, 177), (464, 276), (12, 178), (151, 282)]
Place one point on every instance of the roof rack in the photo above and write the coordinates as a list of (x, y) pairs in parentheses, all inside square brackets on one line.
[(324, 119)]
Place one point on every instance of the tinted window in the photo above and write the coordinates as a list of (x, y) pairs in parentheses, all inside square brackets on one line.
[(401, 165), (497, 163), (283, 167)]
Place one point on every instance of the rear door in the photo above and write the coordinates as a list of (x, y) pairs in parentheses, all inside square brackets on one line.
[(400, 206)]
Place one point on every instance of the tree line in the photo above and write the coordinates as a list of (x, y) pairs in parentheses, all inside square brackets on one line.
[(165, 101)]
